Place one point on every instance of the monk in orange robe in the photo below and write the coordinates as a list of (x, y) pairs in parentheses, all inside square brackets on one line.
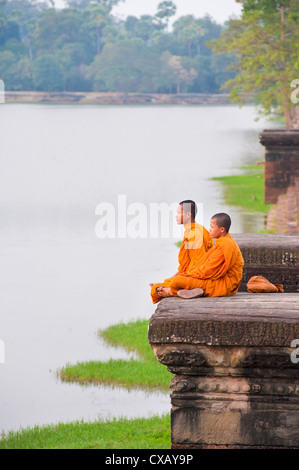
[(218, 273), (196, 243)]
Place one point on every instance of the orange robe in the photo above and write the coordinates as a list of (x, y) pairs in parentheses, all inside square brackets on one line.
[(219, 272), (196, 243)]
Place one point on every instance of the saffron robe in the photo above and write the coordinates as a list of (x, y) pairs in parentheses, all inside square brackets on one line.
[(219, 272), (196, 243)]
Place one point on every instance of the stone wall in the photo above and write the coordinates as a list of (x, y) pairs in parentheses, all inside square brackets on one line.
[(235, 383), (274, 256), (281, 161), (116, 98), (235, 366), (283, 217)]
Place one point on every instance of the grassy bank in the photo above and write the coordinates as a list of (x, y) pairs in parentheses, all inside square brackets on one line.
[(247, 190), (151, 433), (142, 371)]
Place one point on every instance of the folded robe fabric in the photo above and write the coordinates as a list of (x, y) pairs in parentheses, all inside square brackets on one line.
[(196, 243), (219, 272), (259, 284)]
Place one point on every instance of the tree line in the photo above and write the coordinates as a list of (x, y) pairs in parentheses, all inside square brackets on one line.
[(84, 47), (265, 44)]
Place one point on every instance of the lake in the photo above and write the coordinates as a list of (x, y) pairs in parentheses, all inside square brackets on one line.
[(60, 281)]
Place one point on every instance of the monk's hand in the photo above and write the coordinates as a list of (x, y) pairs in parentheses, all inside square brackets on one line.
[(152, 284)]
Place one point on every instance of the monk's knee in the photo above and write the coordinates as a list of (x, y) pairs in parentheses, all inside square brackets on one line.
[(177, 283)]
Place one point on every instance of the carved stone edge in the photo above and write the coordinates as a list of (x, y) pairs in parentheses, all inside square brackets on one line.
[(233, 332)]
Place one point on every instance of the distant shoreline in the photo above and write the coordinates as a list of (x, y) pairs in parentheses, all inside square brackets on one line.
[(116, 98)]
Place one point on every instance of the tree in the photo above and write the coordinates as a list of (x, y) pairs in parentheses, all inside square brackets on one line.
[(126, 66), (265, 44), (88, 48), (82, 4), (15, 71), (8, 67), (130, 25), (165, 11), (176, 72), (189, 31), (211, 30), (48, 74), (8, 29), (98, 19)]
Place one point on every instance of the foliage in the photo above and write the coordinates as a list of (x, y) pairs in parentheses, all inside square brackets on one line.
[(265, 43), (144, 372), (141, 372), (165, 11), (140, 433), (84, 47), (125, 65)]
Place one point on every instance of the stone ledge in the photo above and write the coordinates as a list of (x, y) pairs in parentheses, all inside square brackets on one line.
[(281, 161), (274, 256), (243, 320), (235, 383), (262, 241), (117, 98), (280, 137)]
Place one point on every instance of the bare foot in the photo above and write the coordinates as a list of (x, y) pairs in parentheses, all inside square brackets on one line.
[(164, 291), (190, 294)]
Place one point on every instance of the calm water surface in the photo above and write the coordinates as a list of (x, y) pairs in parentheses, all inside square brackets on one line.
[(60, 283)]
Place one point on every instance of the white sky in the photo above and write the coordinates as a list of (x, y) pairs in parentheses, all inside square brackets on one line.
[(219, 10)]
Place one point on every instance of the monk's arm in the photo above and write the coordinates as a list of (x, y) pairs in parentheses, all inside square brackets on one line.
[(208, 241), (184, 260)]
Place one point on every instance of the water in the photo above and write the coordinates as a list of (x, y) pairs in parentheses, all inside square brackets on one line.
[(59, 282)]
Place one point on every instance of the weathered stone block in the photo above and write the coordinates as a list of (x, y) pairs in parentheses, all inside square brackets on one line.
[(274, 256), (273, 156), (235, 384), (281, 160)]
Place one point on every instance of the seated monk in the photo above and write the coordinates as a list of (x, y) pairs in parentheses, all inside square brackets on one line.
[(218, 273), (196, 243)]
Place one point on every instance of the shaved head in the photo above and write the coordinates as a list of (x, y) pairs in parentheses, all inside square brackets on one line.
[(222, 220), (189, 206)]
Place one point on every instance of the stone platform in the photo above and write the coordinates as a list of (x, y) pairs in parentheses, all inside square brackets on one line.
[(236, 382), (283, 217), (281, 161), (274, 256)]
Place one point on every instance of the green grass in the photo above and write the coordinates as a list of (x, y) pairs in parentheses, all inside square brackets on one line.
[(141, 433), (143, 372), (247, 190)]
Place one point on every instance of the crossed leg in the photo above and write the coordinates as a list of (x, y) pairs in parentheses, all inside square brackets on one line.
[(185, 287)]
